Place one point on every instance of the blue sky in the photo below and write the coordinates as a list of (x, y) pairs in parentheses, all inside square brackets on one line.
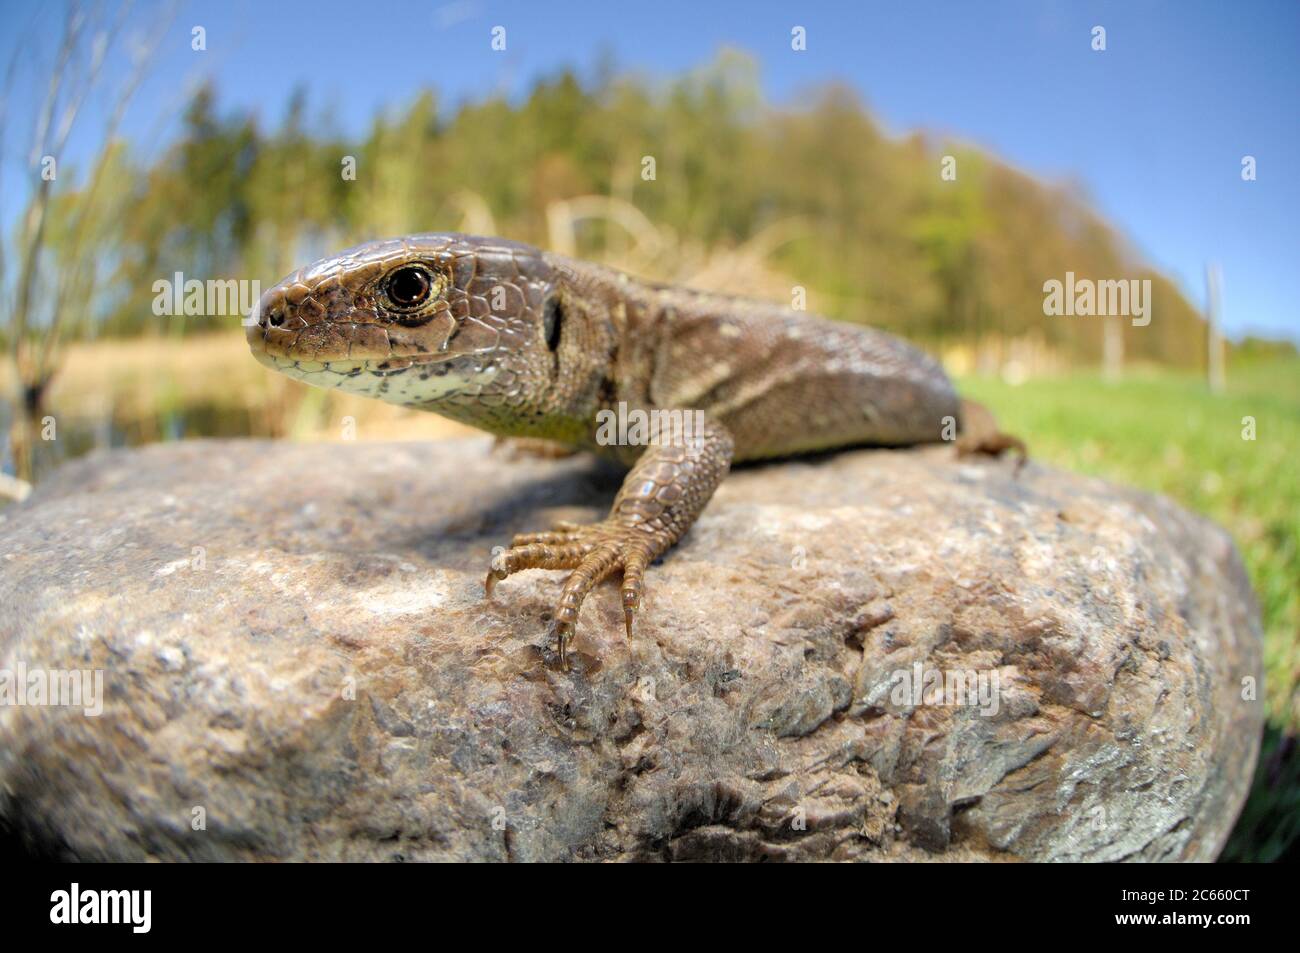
[(1154, 128)]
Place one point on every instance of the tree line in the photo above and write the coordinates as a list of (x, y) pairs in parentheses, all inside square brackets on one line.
[(697, 180)]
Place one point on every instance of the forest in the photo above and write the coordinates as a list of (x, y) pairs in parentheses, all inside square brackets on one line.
[(694, 180)]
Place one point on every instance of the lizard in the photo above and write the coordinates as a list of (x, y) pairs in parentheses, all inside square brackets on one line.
[(523, 343)]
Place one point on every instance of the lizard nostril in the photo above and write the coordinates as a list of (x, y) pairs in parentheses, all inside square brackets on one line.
[(276, 319)]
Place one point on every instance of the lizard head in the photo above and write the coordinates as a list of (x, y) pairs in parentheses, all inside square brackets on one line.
[(469, 327)]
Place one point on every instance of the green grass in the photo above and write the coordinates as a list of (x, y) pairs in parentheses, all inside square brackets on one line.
[(1165, 432)]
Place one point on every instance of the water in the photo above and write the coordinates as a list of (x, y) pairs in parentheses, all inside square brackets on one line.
[(77, 436)]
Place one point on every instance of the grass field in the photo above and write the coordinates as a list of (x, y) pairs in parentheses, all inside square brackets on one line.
[(1165, 432)]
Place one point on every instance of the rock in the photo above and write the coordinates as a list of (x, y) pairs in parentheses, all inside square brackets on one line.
[(298, 661)]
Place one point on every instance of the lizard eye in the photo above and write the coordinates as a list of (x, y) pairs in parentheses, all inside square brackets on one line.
[(409, 287)]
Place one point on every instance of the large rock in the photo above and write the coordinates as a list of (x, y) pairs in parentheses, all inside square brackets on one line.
[(298, 660)]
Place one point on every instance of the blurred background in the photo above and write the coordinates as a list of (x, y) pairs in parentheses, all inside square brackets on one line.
[(924, 168)]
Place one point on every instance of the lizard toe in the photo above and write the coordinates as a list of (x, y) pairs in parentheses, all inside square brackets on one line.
[(534, 554)]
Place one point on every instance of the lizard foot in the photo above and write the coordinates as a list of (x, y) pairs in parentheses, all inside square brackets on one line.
[(994, 445), (980, 436), (592, 553)]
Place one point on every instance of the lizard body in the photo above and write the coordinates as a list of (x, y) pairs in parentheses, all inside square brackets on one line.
[(523, 343)]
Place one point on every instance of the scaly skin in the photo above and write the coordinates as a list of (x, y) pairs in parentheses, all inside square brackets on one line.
[(522, 343)]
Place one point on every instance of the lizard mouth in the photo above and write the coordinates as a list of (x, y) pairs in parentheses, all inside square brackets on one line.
[(299, 361), (425, 380), (345, 366)]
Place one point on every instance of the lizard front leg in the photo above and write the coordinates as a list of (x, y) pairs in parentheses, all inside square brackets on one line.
[(661, 497)]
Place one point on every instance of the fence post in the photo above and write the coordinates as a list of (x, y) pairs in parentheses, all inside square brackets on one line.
[(1213, 305)]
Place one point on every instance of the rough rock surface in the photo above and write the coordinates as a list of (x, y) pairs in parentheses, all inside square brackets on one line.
[(299, 661)]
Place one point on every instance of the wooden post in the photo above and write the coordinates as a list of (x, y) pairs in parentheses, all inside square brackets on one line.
[(1213, 306), (1112, 348)]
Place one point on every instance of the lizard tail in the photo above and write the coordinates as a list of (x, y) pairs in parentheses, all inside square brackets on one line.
[(979, 434)]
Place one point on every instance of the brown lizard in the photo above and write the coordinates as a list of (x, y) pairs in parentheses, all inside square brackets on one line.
[(523, 343)]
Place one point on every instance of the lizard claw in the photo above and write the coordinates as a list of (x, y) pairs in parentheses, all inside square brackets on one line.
[(563, 635), (592, 553)]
